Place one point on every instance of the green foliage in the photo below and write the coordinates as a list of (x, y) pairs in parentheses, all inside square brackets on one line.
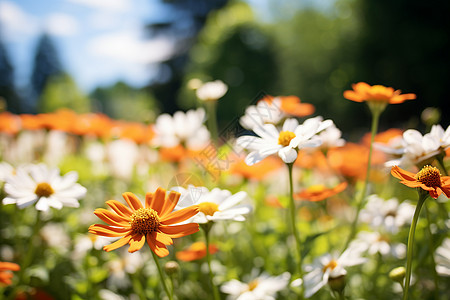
[(62, 92), (122, 101)]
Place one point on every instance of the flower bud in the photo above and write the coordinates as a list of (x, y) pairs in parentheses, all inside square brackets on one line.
[(337, 284), (397, 274), (171, 267)]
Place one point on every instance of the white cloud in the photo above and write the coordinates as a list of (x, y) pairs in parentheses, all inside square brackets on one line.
[(129, 47), (113, 5), (61, 25), (15, 22)]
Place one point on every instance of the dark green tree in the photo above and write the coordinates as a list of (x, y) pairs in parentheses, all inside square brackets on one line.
[(47, 64), (8, 92), (184, 19)]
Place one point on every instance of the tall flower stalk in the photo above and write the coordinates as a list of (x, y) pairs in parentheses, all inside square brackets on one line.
[(377, 98), (206, 229), (293, 211)]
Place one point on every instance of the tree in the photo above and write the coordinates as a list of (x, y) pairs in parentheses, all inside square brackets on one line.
[(7, 88), (121, 101), (190, 18), (62, 92), (46, 64)]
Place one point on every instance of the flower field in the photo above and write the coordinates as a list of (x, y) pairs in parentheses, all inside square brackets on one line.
[(276, 206)]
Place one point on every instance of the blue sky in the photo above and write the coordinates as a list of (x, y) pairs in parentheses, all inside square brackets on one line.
[(99, 41)]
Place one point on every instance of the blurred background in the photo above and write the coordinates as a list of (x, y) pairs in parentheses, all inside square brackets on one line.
[(132, 59)]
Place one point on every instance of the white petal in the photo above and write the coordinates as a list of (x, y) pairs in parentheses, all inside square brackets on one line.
[(287, 154), (232, 201)]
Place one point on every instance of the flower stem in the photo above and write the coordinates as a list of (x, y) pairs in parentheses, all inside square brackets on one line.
[(440, 159), (409, 254), (431, 246), (292, 218), (211, 107), (161, 275), (360, 204), (208, 259)]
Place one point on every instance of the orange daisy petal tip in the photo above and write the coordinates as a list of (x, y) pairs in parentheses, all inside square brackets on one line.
[(196, 251), (428, 179), (5, 272), (320, 192), (377, 93), (156, 223)]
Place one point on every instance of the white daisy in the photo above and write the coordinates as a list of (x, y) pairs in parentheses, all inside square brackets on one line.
[(211, 91), (440, 135), (442, 258), (214, 205), (262, 113), (417, 148), (122, 157), (329, 267), (331, 137), (286, 142), (375, 242), (263, 287), (43, 186), (386, 215), (6, 170), (183, 128)]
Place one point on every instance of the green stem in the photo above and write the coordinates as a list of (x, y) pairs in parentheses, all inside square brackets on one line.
[(431, 246), (161, 275), (212, 120), (362, 195), (208, 259), (292, 219), (440, 159), (409, 254)]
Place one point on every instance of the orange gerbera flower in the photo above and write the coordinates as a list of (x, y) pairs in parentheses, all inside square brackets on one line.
[(9, 123), (196, 251), (377, 93), (292, 105), (5, 274), (428, 178), (257, 171), (155, 221), (319, 192)]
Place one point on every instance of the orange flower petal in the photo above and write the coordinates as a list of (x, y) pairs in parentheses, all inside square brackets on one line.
[(149, 200), (111, 218), (177, 231), (136, 242), (104, 230), (170, 203), (159, 198), (132, 200), (162, 238), (180, 215), (119, 208), (402, 174), (117, 244), (157, 247), (9, 266)]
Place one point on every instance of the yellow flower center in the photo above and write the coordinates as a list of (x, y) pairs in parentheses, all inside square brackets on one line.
[(144, 221), (331, 265), (317, 188), (208, 208), (430, 176), (285, 138), (252, 285), (43, 189)]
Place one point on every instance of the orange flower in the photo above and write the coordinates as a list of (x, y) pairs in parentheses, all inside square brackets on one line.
[(292, 105), (378, 93), (31, 122), (320, 192), (155, 221), (195, 251), (5, 275), (428, 178), (9, 123), (257, 171)]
